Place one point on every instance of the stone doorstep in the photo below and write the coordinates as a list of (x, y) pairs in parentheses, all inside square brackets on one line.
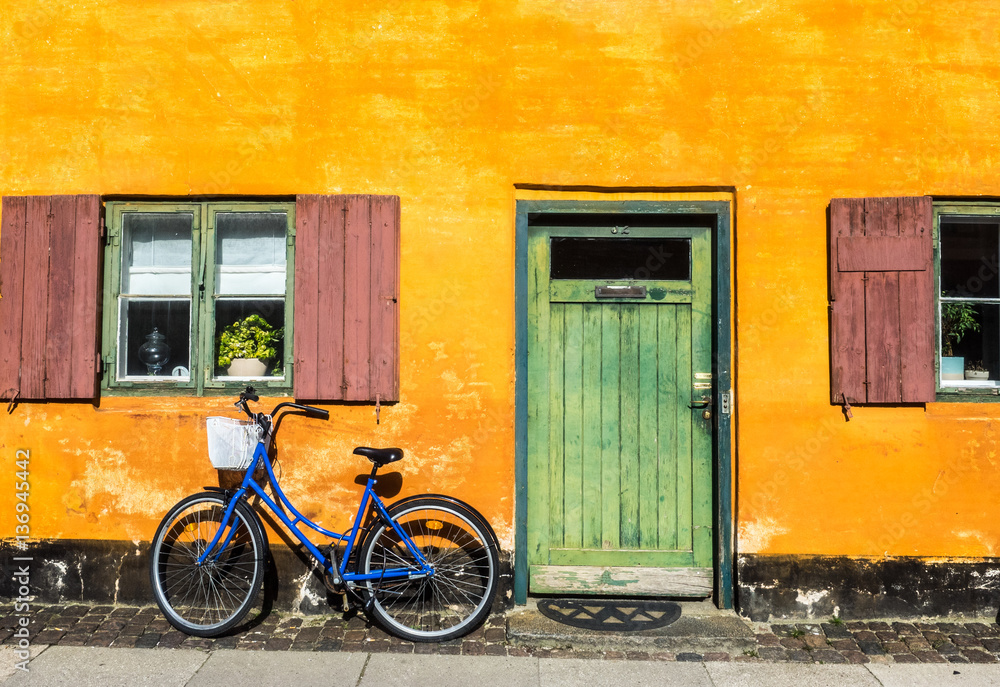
[(718, 632)]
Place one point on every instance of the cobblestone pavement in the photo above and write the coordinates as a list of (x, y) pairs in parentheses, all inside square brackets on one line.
[(825, 642)]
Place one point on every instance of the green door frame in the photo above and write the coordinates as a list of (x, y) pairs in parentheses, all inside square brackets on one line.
[(721, 359)]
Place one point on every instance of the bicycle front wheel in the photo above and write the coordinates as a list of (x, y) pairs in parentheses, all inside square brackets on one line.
[(206, 600), (457, 596)]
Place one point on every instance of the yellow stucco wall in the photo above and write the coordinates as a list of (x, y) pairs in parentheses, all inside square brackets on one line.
[(450, 105)]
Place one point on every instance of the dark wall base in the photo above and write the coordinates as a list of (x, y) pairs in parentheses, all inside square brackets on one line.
[(117, 572), (824, 586)]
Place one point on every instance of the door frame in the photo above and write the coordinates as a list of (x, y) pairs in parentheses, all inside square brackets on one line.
[(722, 350)]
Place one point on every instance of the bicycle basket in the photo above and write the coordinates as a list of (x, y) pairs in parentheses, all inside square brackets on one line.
[(231, 442)]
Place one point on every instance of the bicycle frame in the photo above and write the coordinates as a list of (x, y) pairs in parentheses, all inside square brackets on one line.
[(250, 485)]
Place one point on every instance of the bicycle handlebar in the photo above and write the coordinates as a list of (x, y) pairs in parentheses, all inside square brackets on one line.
[(318, 412), (249, 395)]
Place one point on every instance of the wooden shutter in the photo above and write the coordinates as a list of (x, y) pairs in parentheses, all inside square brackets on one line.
[(49, 279), (881, 300), (346, 298)]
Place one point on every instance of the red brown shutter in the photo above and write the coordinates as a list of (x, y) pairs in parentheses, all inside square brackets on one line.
[(881, 300), (346, 298), (49, 279)]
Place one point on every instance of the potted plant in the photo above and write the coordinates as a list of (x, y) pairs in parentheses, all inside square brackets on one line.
[(247, 346), (957, 318), (976, 370)]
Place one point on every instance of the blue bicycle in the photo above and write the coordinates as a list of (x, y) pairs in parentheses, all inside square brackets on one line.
[(425, 568)]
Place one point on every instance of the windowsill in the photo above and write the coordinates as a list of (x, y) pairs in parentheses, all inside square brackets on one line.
[(233, 378), (146, 379), (221, 404), (977, 384), (960, 393)]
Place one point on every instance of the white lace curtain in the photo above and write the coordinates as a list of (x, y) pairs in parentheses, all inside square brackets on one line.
[(250, 253)]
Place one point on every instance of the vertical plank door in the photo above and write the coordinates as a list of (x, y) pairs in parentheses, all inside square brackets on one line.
[(619, 462)]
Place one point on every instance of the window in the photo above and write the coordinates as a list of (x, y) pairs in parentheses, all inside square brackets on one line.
[(323, 271), (914, 300), (49, 276), (198, 295), (968, 313), (881, 300)]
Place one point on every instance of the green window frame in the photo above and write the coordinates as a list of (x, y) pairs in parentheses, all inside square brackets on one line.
[(967, 296), (149, 282)]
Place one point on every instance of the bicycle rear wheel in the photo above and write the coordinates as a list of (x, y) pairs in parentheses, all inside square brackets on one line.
[(456, 598), (209, 599)]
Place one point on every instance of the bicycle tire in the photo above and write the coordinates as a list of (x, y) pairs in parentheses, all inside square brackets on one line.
[(454, 600), (206, 600)]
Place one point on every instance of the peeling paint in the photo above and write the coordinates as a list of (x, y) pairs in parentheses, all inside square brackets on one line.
[(756, 535), (810, 599)]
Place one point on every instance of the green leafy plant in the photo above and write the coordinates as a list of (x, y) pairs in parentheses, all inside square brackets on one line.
[(251, 337), (956, 319), (976, 366)]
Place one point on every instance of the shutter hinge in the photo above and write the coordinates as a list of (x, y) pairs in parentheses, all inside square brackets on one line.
[(104, 230)]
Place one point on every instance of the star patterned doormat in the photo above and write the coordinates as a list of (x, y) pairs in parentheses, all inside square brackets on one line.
[(610, 615)]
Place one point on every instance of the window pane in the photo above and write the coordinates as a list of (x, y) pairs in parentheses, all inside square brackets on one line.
[(249, 329), (250, 252), (969, 254), (172, 320), (640, 259), (156, 253), (973, 330)]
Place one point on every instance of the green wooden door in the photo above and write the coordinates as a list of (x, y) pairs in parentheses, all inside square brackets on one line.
[(619, 463)]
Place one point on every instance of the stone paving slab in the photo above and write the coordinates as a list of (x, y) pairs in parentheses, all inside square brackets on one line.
[(583, 673), (789, 675), (936, 675), (319, 669), (70, 665), (449, 671), (950, 643)]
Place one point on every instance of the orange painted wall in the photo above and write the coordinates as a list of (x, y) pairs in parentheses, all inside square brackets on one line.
[(449, 105)]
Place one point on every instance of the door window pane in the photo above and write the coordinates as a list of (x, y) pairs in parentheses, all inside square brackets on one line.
[(656, 259)]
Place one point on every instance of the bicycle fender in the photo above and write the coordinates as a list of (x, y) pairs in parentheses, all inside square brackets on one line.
[(455, 501)]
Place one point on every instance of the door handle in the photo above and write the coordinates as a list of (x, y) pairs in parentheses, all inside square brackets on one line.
[(703, 406)]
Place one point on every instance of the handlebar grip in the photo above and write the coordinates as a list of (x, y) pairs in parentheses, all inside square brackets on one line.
[(319, 412), (250, 395)]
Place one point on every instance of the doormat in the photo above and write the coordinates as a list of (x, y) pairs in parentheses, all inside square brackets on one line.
[(611, 615)]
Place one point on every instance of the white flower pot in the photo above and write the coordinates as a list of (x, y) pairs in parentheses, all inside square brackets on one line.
[(977, 374), (246, 367)]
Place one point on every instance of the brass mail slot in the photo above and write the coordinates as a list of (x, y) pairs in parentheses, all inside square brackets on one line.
[(619, 291)]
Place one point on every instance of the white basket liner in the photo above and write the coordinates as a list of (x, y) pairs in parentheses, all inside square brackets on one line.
[(231, 442)]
